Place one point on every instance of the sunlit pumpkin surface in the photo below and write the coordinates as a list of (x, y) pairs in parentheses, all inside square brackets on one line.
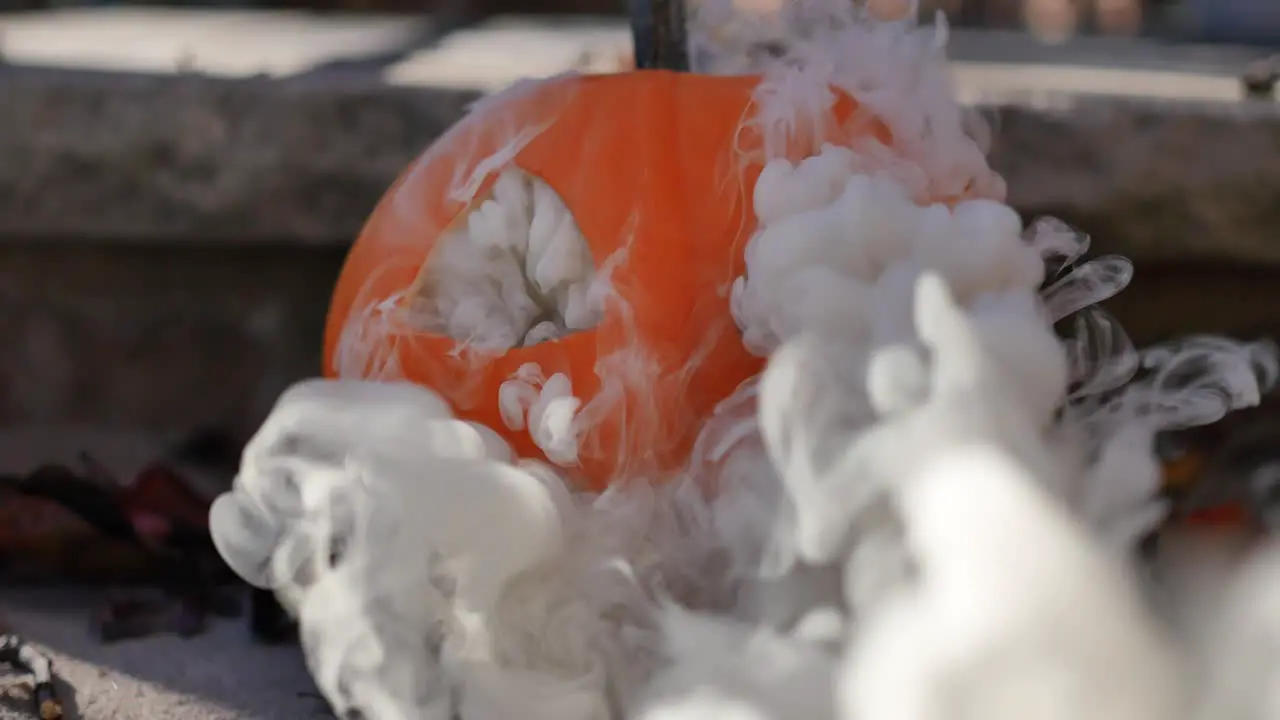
[(674, 241), (653, 167)]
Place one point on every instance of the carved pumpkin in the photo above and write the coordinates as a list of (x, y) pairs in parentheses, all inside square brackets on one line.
[(655, 169)]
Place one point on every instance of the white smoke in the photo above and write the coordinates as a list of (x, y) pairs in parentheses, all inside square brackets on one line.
[(926, 508), (514, 272)]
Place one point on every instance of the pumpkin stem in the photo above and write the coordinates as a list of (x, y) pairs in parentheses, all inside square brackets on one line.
[(658, 27)]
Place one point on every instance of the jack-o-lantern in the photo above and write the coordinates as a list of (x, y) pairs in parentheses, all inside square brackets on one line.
[(655, 171)]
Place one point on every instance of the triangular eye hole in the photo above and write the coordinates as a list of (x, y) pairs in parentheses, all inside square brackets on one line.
[(512, 271)]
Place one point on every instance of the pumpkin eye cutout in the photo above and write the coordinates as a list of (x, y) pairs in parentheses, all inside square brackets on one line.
[(573, 301), (512, 271)]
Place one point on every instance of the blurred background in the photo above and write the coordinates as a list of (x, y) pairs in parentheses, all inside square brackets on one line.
[(180, 183), (1254, 21)]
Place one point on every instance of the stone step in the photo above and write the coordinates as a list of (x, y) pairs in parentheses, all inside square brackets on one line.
[(220, 43), (989, 65), (164, 208), (493, 54), (251, 127)]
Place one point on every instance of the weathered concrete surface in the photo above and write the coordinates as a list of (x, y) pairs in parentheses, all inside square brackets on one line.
[(221, 675), (1169, 301), (158, 338), (1155, 181), (224, 42), (239, 125), (1157, 163), (189, 158), (168, 240)]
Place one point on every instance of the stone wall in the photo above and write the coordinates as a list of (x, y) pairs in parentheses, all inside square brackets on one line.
[(1155, 181), (195, 159), (164, 337), (168, 242)]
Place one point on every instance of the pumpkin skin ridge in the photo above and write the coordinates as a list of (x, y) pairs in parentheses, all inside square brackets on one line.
[(648, 450), (628, 377)]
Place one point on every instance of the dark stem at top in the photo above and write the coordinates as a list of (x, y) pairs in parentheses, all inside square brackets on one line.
[(658, 27)]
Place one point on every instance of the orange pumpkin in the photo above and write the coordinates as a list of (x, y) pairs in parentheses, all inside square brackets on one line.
[(647, 160)]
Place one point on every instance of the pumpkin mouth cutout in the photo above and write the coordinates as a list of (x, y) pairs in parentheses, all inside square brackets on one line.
[(512, 270)]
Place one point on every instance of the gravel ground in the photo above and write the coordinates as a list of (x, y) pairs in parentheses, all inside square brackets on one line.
[(218, 676), (221, 675)]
